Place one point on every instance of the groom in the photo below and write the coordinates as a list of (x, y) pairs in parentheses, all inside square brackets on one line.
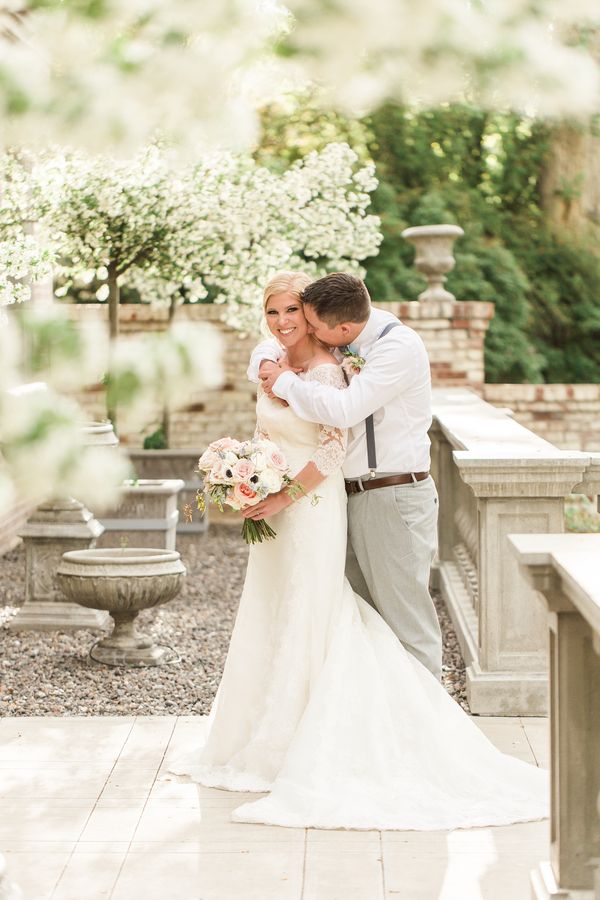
[(392, 499)]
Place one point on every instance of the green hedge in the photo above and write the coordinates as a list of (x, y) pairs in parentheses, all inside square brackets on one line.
[(459, 164)]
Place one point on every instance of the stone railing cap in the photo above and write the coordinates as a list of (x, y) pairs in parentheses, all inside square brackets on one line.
[(574, 557)]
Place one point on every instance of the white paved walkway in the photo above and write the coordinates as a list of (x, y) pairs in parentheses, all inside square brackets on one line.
[(84, 815)]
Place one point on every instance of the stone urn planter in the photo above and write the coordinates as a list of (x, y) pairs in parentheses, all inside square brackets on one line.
[(434, 256), (123, 582)]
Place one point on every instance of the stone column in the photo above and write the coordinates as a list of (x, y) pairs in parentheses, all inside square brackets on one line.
[(454, 337), (509, 674)]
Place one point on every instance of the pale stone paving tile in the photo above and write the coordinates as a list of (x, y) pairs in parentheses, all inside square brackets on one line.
[(36, 873), (475, 876), (102, 847), (41, 846), (43, 740), (274, 874), (89, 875), (523, 837), (507, 734), (112, 820), (538, 734), (129, 782), (177, 824), (68, 781), (38, 819), (331, 874), (147, 741)]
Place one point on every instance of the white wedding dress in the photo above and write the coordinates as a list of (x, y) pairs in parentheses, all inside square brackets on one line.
[(320, 704)]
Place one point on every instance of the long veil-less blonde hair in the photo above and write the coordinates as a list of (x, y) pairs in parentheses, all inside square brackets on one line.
[(283, 283)]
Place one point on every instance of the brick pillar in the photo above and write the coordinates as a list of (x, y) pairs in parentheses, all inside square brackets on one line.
[(454, 335)]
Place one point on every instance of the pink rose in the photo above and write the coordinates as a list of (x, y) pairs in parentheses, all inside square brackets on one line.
[(207, 460), (226, 443), (245, 495), (243, 469), (277, 460)]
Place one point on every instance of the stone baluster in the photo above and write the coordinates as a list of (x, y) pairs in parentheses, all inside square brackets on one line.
[(563, 570), (495, 477)]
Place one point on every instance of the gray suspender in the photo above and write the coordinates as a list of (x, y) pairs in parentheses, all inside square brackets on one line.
[(369, 424)]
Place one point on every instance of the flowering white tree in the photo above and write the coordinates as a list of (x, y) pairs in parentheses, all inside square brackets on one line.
[(312, 217), (224, 226)]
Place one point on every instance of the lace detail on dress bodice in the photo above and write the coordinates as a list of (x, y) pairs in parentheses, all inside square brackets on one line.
[(303, 442)]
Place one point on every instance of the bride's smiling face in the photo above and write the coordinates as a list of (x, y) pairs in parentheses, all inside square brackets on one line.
[(285, 318)]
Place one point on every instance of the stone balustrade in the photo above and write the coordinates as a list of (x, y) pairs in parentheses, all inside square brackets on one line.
[(495, 478), (563, 569)]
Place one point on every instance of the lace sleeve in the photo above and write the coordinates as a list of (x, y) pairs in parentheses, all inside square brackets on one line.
[(331, 452), (259, 433)]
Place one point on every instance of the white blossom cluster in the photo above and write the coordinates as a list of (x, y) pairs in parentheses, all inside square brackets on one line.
[(44, 451), (22, 259), (538, 58), (224, 225), (196, 71), (312, 218), (114, 73)]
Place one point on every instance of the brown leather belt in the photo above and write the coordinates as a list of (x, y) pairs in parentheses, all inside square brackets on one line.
[(357, 486)]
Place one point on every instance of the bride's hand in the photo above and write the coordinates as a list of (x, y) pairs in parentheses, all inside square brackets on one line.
[(269, 373), (270, 506)]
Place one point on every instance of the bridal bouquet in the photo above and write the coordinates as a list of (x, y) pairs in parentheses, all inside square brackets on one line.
[(241, 474)]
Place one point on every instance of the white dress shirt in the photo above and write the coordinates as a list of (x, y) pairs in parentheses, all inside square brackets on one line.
[(394, 385)]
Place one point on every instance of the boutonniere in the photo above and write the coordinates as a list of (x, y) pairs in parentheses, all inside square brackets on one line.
[(352, 363)]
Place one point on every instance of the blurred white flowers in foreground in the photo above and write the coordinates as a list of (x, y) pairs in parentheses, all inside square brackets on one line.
[(119, 72), (43, 444)]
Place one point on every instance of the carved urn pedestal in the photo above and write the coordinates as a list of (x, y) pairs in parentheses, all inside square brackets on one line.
[(123, 582)]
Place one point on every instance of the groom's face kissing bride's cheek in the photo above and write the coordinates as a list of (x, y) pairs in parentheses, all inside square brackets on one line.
[(285, 318), (332, 335)]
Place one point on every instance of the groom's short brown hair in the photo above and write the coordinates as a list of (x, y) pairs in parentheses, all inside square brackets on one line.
[(338, 298)]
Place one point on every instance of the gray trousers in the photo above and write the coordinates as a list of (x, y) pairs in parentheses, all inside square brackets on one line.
[(392, 541)]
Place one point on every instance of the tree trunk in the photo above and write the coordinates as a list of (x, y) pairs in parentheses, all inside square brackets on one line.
[(113, 328), (570, 183), (113, 301), (166, 418)]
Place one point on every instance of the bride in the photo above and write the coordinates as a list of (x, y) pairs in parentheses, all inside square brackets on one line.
[(320, 705)]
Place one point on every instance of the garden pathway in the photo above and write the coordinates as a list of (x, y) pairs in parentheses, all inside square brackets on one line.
[(85, 813)]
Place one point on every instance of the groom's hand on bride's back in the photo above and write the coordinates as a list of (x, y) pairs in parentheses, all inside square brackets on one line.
[(269, 372)]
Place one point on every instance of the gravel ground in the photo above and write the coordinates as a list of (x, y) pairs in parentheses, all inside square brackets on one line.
[(51, 673)]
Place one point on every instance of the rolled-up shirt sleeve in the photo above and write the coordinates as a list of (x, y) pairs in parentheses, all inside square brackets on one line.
[(268, 349), (391, 365)]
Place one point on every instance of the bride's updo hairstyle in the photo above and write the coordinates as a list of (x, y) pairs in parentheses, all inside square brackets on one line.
[(283, 283)]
